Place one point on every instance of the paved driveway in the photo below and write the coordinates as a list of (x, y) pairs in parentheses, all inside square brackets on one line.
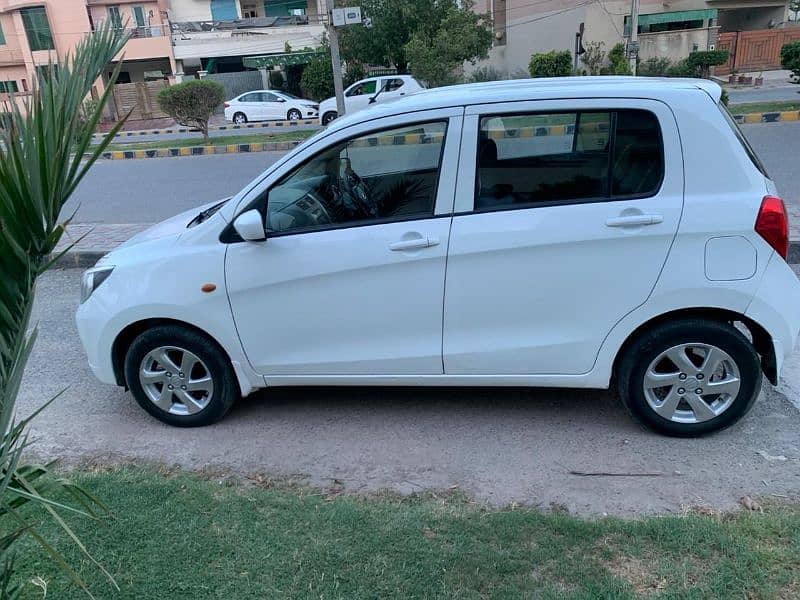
[(501, 445)]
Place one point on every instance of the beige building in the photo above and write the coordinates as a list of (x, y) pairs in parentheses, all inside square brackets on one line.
[(34, 33), (670, 29)]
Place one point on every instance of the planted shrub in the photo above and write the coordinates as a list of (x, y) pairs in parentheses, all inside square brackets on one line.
[(790, 59), (556, 63), (192, 103)]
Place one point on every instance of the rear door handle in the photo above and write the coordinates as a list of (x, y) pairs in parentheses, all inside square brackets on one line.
[(414, 244), (634, 220)]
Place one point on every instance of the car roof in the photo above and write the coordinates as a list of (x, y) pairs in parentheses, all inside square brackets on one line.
[(545, 88)]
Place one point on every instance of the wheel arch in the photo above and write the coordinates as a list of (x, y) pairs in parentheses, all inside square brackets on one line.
[(759, 337), (124, 339)]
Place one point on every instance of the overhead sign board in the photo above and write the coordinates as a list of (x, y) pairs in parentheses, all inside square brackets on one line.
[(346, 16)]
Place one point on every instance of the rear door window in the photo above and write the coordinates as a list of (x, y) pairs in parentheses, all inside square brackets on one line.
[(543, 159)]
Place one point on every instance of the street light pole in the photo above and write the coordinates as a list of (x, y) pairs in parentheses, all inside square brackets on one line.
[(633, 43), (333, 38)]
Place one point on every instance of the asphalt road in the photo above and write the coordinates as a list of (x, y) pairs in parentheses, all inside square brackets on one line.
[(213, 133), (150, 190), (501, 445)]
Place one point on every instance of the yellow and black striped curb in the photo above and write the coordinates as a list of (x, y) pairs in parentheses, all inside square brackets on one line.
[(200, 150), (768, 117), (264, 125)]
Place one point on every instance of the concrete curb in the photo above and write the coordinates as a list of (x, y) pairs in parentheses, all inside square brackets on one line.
[(200, 150), (169, 130), (768, 117), (83, 259)]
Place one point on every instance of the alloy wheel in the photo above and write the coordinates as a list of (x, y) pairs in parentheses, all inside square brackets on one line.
[(691, 383), (176, 380)]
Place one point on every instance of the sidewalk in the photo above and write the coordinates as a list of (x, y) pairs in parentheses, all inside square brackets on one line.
[(90, 241)]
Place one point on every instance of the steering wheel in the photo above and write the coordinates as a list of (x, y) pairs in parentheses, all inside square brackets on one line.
[(357, 190)]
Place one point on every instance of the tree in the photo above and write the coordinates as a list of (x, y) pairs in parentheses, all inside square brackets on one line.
[(556, 63), (790, 59), (44, 154), (594, 57), (461, 36), (317, 79), (395, 23), (192, 103), (701, 61), (617, 63)]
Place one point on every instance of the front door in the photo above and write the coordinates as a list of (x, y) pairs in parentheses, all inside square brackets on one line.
[(359, 94), (351, 278), (566, 221)]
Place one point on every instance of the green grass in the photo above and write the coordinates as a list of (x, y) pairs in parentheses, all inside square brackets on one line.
[(176, 536), (253, 138), (761, 107)]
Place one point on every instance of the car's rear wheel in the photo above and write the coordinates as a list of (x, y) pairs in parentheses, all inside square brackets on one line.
[(294, 115), (328, 117), (690, 377), (180, 376), (240, 118)]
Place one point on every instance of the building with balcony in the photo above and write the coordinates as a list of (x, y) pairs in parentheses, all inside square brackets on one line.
[(148, 53), (217, 35), (33, 33)]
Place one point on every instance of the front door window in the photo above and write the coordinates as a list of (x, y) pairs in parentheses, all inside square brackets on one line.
[(378, 177)]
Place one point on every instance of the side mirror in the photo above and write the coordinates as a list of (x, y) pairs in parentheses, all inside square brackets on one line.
[(250, 226), (281, 99)]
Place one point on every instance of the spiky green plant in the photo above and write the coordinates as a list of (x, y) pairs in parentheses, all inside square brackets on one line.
[(41, 163)]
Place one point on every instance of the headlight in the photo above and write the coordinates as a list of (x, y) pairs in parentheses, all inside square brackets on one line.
[(92, 279)]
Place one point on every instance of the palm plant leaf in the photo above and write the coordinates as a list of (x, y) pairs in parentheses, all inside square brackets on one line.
[(45, 152)]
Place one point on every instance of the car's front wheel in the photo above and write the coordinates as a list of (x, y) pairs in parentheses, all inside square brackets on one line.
[(294, 115), (180, 376), (328, 117), (240, 118), (690, 377)]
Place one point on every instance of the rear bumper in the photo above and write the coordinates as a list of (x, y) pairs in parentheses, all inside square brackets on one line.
[(776, 307)]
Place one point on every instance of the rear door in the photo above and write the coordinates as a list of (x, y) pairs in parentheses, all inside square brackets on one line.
[(565, 213), (251, 106)]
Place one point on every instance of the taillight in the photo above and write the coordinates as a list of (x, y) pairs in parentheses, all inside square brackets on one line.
[(226, 105), (772, 224)]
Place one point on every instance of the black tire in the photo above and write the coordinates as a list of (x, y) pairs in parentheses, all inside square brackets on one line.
[(329, 116), (646, 348), (294, 115), (225, 387), (242, 116)]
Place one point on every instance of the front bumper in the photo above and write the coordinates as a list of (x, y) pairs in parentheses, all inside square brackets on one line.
[(91, 320)]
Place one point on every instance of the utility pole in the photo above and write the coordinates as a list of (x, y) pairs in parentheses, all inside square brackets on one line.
[(333, 38), (633, 41)]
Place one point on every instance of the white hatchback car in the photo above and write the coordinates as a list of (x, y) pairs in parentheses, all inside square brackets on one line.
[(560, 233), (373, 90), (266, 105)]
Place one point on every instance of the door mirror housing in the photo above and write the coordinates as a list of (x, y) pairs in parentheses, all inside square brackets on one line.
[(281, 99), (250, 226)]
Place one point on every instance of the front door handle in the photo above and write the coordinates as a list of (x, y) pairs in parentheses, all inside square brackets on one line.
[(634, 220), (414, 244)]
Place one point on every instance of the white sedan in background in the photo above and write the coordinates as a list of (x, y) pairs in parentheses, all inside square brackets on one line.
[(265, 105)]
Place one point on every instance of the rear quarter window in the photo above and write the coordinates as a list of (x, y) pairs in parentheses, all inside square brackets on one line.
[(743, 140)]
